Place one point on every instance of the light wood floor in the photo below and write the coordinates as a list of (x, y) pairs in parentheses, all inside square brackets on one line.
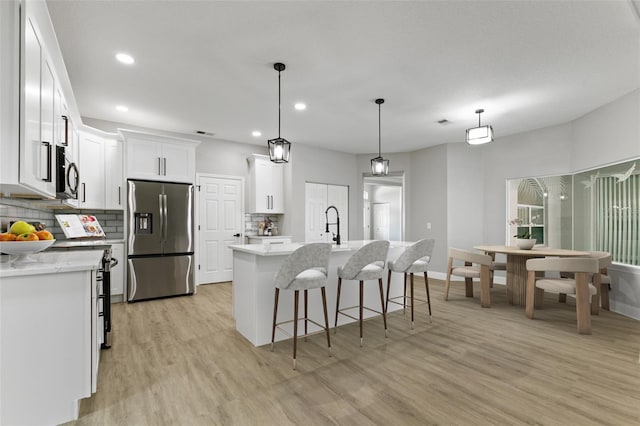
[(179, 361)]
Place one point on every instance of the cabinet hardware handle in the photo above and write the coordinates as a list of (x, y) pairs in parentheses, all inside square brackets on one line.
[(159, 166), (47, 146), (66, 130), (84, 192), (236, 235), (164, 160), (119, 196)]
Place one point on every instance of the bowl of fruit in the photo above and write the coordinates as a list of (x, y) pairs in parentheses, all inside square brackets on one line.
[(23, 239)]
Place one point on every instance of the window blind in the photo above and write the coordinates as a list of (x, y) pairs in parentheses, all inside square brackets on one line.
[(617, 218)]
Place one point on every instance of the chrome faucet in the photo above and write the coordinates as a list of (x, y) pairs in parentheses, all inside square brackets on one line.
[(336, 238)]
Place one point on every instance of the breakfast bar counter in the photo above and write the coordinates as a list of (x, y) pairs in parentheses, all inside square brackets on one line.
[(255, 266)]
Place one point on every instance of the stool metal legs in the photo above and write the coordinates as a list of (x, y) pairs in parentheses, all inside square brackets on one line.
[(295, 319), (361, 308), (411, 295)]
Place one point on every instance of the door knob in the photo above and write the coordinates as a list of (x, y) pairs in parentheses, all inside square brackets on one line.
[(236, 235)]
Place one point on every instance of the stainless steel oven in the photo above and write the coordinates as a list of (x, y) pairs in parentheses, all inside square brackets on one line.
[(103, 278)]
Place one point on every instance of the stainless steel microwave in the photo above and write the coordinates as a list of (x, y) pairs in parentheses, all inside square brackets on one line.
[(67, 176)]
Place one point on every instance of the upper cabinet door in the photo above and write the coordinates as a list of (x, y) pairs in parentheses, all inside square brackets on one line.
[(92, 168), (266, 186), (178, 163), (114, 190), (36, 144), (144, 159)]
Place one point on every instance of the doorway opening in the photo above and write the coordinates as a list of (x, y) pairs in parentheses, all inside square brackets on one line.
[(383, 207)]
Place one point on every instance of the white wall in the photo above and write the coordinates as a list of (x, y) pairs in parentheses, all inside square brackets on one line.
[(427, 191), (615, 126), (309, 164)]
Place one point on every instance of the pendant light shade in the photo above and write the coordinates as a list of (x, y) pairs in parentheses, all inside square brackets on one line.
[(279, 148), (481, 134), (379, 166)]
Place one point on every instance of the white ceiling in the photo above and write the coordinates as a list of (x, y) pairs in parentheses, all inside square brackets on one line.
[(208, 65)]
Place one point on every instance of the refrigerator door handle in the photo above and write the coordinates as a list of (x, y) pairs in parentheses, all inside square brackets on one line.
[(164, 214), (162, 218)]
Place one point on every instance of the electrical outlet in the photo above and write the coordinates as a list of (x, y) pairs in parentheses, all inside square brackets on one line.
[(428, 225)]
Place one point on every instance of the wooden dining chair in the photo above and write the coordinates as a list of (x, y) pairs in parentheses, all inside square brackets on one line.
[(581, 267), (601, 282), (481, 270)]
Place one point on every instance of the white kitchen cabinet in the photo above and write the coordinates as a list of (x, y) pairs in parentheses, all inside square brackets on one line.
[(49, 335), (34, 89), (159, 158), (100, 166), (265, 186), (117, 272), (91, 193), (113, 178), (36, 157)]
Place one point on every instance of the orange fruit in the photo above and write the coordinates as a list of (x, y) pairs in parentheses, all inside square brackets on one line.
[(44, 235), (27, 237), (7, 236)]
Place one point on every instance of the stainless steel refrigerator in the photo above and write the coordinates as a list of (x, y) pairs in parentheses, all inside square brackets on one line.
[(160, 240)]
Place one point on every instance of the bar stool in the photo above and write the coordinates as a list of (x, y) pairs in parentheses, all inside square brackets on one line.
[(365, 264), (304, 269), (415, 259)]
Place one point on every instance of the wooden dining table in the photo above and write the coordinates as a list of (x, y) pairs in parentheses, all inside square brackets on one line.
[(517, 266)]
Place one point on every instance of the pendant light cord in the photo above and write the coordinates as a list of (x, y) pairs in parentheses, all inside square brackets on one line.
[(278, 104), (379, 137)]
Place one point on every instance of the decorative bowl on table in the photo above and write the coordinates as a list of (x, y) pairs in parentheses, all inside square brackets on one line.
[(525, 243), (22, 249)]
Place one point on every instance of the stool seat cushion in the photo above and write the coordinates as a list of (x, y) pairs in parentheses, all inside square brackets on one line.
[(466, 271), (419, 266), (372, 271), (307, 279), (561, 285)]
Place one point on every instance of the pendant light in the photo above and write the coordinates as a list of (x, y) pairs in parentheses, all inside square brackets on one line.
[(279, 148), (379, 166), (481, 134)]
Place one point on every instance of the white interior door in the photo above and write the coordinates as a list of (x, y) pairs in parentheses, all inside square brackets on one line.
[(220, 224), (381, 221), (315, 205)]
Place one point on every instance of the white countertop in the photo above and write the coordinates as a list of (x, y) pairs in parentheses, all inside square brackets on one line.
[(50, 263), (88, 244), (286, 249), (268, 236)]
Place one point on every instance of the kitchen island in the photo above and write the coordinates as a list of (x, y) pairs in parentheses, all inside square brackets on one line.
[(255, 266), (49, 344)]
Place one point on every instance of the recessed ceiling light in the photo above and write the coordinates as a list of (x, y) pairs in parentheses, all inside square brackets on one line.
[(300, 106), (125, 59), (122, 108), (256, 133)]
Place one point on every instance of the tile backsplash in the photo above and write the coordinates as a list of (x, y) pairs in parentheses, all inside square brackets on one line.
[(251, 222), (12, 209)]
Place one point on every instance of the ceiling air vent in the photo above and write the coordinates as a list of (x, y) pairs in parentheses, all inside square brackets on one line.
[(203, 133), (443, 121)]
